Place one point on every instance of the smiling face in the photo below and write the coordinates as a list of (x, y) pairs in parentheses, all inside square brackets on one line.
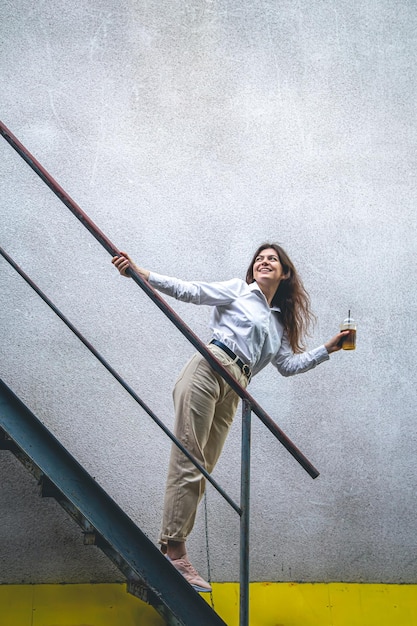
[(267, 269)]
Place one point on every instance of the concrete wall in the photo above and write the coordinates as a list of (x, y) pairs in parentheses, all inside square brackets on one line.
[(190, 132)]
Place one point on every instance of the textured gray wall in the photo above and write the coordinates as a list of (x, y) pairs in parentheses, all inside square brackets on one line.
[(190, 132)]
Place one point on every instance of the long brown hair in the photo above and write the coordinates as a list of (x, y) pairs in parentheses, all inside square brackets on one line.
[(291, 297)]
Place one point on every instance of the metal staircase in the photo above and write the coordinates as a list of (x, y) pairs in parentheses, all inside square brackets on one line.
[(104, 524)]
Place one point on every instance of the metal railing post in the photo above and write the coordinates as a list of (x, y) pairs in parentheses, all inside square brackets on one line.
[(244, 518)]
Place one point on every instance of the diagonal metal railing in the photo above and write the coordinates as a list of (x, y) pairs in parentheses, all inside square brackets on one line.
[(117, 376), (249, 404)]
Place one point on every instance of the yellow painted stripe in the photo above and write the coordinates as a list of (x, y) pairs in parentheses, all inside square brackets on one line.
[(319, 604), (271, 604), (73, 605)]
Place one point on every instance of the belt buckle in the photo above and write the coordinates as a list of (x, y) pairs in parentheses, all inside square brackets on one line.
[(246, 371)]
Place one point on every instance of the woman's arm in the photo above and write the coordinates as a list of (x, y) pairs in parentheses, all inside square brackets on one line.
[(288, 363), (211, 294)]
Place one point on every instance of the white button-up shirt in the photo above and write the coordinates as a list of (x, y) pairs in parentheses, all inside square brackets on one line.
[(243, 320)]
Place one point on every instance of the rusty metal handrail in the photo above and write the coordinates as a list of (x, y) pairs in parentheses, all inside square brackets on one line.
[(158, 300)]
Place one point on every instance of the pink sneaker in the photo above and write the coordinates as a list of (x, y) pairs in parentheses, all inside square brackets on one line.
[(184, 567)]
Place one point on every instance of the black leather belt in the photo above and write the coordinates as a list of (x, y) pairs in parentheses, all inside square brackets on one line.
[(243, 366)]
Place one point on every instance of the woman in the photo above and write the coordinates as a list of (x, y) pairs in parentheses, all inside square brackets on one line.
[(254, 322)]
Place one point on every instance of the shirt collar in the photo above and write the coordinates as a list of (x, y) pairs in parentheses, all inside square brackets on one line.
[(255, 287)]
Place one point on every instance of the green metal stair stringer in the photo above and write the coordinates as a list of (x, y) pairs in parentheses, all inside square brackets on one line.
[(148, 573)]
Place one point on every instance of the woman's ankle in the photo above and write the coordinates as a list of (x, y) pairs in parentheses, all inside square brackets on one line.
[(176, 550)]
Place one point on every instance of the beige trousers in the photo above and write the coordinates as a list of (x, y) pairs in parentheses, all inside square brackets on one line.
[(205, 406)]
